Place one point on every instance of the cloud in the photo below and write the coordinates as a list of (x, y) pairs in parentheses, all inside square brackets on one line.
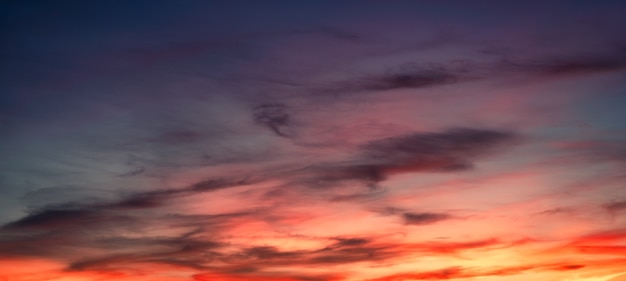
[(429, 74), (73, 225), (153, 199), (352, 241), (53, 219), (106, 233), (424, 218), (140, 201), (447, 151), (569, 267), (358, 177), (275, 117), (181, 251), (340, 253), (574, 65), (353, 254), (616, 207), (268, 253), (408, 78)]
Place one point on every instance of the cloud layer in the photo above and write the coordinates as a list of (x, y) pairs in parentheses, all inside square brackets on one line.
[(295, 142)]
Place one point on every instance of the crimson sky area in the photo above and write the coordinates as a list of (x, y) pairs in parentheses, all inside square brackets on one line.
[(153, 140)]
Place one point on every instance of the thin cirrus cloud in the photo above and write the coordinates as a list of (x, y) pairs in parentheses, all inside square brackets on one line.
[(333, 142)]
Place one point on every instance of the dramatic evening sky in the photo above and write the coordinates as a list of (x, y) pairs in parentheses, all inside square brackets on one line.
[(153, 140)]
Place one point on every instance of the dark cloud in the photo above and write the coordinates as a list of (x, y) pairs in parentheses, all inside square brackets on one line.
[(573, 65), (324, 176), (407, 76), (350, 250), (40, 242), (335, 254), (53, 219), (241, 269), (275, 117), (447, 151), (430, 74), (59, 230), (268, 253), (569, 267), (451, 150), (554, 211), (153, 199), (134, 172), (390, 211), (192, 249), (369, 195), (352, 241), (408, 79), (424, 218), (616, 207), (462, 142), (103, 262), (583, 66), (216, 184), (61, 234), (373, 162), (181, 251), (63, 197), (140, 201), (349, 256), (159, 198), (346, 251)]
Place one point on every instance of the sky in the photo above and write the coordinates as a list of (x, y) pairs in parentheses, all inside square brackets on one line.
[(153, 140)]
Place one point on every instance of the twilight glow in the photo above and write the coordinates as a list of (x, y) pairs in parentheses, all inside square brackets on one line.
[(153, 140)]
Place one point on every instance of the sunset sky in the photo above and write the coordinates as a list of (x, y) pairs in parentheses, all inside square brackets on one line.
[(167, 140)]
